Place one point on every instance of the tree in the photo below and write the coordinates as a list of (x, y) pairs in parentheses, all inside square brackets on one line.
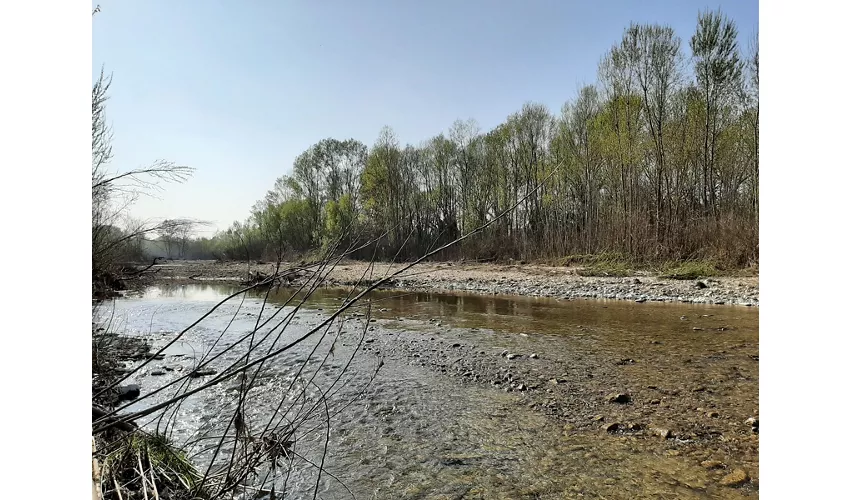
[(718, 69), (651, 162), (114, 191)]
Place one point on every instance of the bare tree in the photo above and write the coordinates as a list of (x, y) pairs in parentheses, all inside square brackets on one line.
[(114, 191)]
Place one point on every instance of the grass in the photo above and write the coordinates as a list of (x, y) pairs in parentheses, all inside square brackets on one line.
[(150, 464), (612, 269), (689, 270), (604, 264)]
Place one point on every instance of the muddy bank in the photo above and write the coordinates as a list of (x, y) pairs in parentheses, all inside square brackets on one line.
[(531, 280)]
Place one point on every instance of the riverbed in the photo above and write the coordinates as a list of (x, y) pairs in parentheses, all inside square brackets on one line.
[(460, 395)]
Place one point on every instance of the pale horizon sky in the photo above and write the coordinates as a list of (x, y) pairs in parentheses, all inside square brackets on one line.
[(239, 89)]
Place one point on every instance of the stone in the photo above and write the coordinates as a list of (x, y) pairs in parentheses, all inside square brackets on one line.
[(626, 361), (598, 418), (534, 355), (503, 353), (655, 402), (661, 432), (735, 478), (455, 345), (612, 428), (513, 356), (701, 285), (640, 300), (157, 373), (128, 392), (619, 398), (712, 464), (201, 373), (713, 414)]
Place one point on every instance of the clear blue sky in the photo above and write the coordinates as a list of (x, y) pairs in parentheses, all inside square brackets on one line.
[(238, 89)]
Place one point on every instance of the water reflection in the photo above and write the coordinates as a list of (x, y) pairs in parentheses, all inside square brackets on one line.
[(416, 434)]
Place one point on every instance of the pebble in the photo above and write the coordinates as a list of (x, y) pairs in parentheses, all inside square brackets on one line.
[(533, 355), (619, 398), (661, 432), (735, 478)]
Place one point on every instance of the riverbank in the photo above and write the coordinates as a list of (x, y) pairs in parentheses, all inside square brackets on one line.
[(533, 280)]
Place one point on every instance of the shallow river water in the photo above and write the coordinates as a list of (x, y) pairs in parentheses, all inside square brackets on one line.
[(450, 413)]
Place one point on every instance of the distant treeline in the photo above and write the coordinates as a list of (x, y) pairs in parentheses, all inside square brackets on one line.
[(656, 161)]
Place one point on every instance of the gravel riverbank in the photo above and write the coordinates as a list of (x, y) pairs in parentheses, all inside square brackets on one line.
[(532, 280)]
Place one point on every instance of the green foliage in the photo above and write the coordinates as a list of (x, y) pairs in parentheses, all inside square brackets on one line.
[(339, 221), (160, 461), (689, 270), (649, 163), (608, 269)]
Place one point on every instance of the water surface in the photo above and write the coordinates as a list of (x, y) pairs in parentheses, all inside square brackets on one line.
[(419, 431)]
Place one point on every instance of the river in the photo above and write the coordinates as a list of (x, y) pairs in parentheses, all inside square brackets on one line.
[(478, 396)]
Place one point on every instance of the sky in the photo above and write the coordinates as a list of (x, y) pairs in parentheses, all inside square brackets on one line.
[(237, 90)]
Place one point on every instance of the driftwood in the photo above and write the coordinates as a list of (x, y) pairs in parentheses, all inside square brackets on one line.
[(135, 273)]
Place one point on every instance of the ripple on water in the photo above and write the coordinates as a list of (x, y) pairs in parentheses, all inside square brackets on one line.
[(415, 433)]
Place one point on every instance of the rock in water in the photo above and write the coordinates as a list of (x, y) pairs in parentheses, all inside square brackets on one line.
[(619, 398), (612, 428), (661, 432), (128, 392), (736, 478)]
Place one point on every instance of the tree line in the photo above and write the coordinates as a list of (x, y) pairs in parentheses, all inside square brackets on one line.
[(657, 160)]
